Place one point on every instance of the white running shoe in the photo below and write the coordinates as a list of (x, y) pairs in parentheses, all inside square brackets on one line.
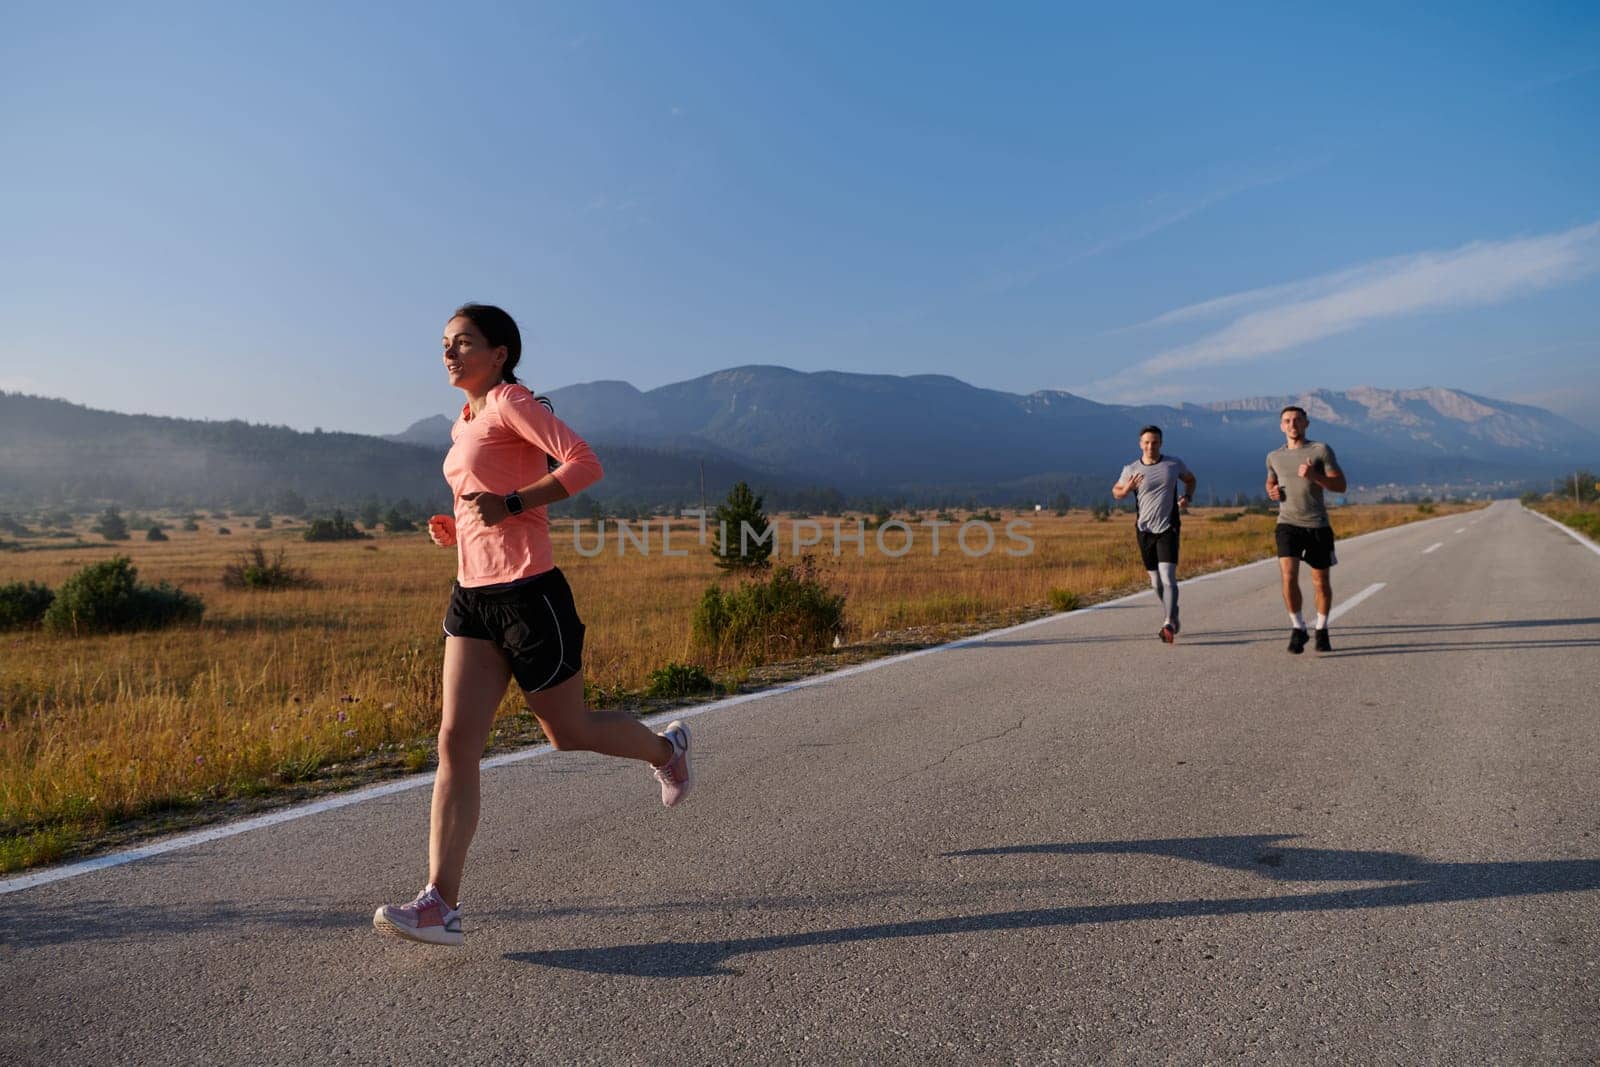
[(427, 919), (674, 775)]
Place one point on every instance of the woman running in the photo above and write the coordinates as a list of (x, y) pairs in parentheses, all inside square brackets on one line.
[(511, 613)]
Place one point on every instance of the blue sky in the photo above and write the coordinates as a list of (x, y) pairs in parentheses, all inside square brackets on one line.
[(267, 214)]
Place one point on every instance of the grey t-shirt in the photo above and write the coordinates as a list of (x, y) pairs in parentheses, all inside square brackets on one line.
[(1158, 493), (1302, 499)]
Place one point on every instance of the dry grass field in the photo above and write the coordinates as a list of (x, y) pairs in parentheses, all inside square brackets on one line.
[(278, 694), (1585, 517)]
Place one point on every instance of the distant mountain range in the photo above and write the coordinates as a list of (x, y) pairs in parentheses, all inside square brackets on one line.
[(806, 440), (930, 435)]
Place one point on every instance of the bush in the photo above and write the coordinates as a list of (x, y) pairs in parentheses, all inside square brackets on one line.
[(1586, 523), (155, 533), (678, 680), (263, 522), (791, 612), (23, 604), (190, 524), (1101, 511), (395, 522), (106, 597), (1425, 508), (338, 528), (1228, 516), (223, 531), (111, 525), (252, 570), (1064, 600)]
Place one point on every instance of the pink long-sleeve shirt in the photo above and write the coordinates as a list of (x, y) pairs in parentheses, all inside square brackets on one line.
[(502, 449)]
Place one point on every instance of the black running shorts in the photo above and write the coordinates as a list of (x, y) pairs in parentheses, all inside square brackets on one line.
[(1313, 544), (1159, 547), (535, 623)]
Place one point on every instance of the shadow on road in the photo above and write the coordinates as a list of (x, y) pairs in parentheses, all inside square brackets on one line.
[(1197, 636), (1413, 881), (138, 923)]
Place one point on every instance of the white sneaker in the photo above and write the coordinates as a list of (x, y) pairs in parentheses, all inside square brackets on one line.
[(674, 775), (427, 919)]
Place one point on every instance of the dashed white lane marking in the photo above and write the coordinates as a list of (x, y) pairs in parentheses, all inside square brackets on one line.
[(1353, 601), (1432, 547), (1462, 530)]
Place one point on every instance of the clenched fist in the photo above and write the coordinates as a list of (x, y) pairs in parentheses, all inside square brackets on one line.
[(442, 530)]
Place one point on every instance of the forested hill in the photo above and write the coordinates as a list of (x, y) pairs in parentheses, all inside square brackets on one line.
[(53, 452)]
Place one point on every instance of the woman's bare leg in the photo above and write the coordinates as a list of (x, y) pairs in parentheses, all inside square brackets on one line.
[(475, 677), (570, 725)]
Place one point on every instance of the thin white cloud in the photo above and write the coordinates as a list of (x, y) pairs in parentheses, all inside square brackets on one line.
[(1051, 252), (1300, 313)]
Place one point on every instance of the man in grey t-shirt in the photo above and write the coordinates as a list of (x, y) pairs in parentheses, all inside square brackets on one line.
[(1155, 478), (1297, 474)]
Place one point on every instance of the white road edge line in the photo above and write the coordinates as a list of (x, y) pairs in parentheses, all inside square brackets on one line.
[(1353, 601), (417, 781), (1432, 547), (1569, 531)]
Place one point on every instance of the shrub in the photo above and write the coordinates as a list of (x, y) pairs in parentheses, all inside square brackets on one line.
[(678, 680), (338, 528), (790, 612), (252, 570), (1584, 522), (1228, 516), (1101, 511), (263, 522), (155, 533), (106, 597), (985, 516), (1426, 507), (190, 524), (23, 604), (223, 531), (395, 522), (111, 525), (1064, 600)]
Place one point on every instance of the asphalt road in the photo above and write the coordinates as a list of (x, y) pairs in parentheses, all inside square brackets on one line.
[(1066, 843)]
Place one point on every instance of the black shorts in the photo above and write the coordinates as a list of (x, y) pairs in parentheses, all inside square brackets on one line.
[(1159, 547), (535, 623), (1314, 544)]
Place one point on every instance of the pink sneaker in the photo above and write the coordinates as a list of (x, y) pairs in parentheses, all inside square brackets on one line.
[(428, 919), (674, 775)]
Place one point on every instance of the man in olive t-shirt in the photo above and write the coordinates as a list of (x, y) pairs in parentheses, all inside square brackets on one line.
[(1297, 474)]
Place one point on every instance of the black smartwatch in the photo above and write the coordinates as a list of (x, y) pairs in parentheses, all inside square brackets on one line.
[(514, 504)]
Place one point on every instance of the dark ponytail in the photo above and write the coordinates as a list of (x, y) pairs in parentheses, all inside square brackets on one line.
[(498, 328)]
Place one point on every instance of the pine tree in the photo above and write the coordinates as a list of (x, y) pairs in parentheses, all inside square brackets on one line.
[(741, 549)]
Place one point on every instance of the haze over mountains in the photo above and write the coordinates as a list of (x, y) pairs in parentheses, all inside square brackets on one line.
[(806, 439), (930, 434)]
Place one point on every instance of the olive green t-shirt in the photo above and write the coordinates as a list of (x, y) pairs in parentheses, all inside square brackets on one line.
[(1302, 499)]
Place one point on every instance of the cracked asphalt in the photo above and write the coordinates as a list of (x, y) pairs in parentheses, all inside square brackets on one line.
[(1068, 843)]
